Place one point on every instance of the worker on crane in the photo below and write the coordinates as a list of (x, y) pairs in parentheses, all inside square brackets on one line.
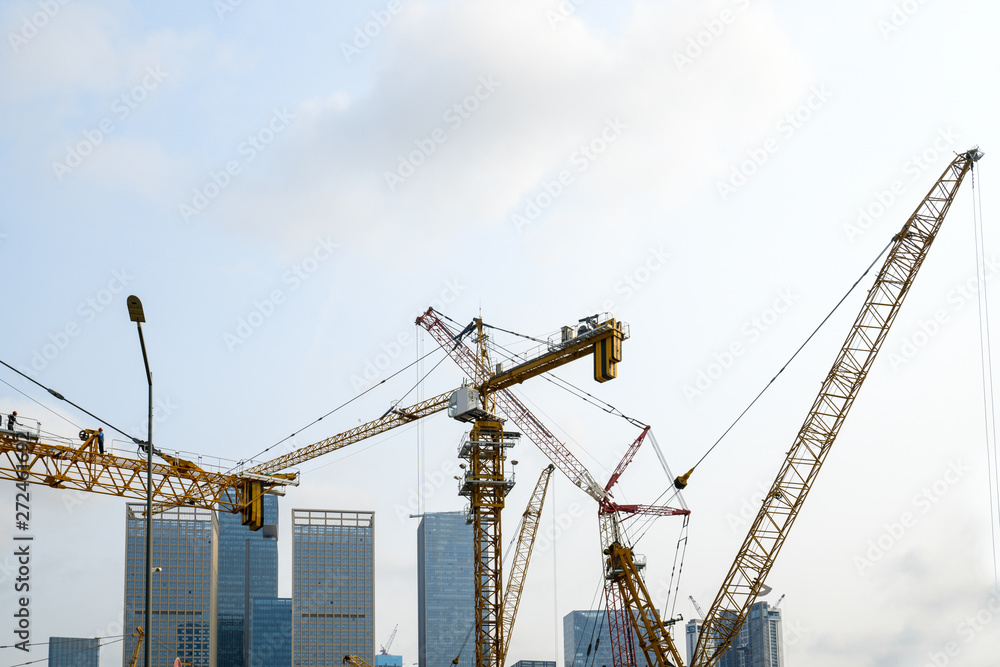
[(100, 440), (12, 420)]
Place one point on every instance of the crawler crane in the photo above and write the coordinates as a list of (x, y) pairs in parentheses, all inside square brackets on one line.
[(784, 500)]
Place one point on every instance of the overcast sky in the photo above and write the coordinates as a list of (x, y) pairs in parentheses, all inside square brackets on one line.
[(286, 186)]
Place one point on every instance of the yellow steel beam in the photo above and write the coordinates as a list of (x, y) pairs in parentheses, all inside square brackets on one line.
[(783, 502), (522, 555), (84, 468), (397, 417)]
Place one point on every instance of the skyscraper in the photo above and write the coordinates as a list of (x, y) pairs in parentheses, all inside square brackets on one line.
[(691, 631), (183, 576), (587, 639), (73, 652), (764, 638), (333, 609), (269, 633), (248, 569), (445, 594), (758, 643)]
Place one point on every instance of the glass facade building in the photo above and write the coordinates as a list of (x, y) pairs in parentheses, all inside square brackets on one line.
[(269, 633), (333, 608), (248, 569), (74, 652), (758, 644), (535, 663), (587, 639), (183, 577), (445, 593)]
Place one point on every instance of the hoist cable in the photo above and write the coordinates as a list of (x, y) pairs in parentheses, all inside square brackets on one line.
[(56, 394), (792, 358), (986, 359), (342, 405)]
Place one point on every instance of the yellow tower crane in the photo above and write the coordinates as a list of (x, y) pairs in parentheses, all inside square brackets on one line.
[(784, 500), (181, 482)]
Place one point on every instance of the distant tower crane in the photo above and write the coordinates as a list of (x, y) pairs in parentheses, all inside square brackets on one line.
[(384, 649)]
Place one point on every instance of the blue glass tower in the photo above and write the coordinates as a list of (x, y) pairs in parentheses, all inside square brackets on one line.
[(183, 572), (445, 593), (73, 652), (269, 633), (587, 639), (248, 569), (333, 608)]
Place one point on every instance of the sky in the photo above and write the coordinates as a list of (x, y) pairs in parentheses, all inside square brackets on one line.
[(287, 186)]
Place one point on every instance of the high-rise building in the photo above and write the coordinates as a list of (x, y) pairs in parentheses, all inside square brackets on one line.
[(333, 608), (74, 652), (758, 644), (248, 569), (269, 633), (764, 639), (388, 660), (445, 594), (691, 631), (535, 663), (183, 577), (587, 639)]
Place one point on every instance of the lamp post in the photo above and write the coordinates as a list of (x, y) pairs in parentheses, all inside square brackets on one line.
[(135, 314)]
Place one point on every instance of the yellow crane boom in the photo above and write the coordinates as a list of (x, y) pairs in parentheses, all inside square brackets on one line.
[(797, 475), (25, 458), (781, 506), (522, 555)]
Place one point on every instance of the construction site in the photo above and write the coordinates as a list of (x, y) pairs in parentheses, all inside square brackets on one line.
[(474, 336)]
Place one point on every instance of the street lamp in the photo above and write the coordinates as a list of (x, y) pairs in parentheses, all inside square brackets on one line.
[(135, 314)]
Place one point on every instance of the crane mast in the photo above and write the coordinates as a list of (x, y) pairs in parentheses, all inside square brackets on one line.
[(798, 473)]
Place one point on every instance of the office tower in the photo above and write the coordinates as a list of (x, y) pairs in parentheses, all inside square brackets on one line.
[(763, 639), (333, 610), (758, 643), (248, 569), (535, 663), (388, 660), (74, 652), (691, 631), (587, 639), (269, 633), (445, 594), (183, 576)]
